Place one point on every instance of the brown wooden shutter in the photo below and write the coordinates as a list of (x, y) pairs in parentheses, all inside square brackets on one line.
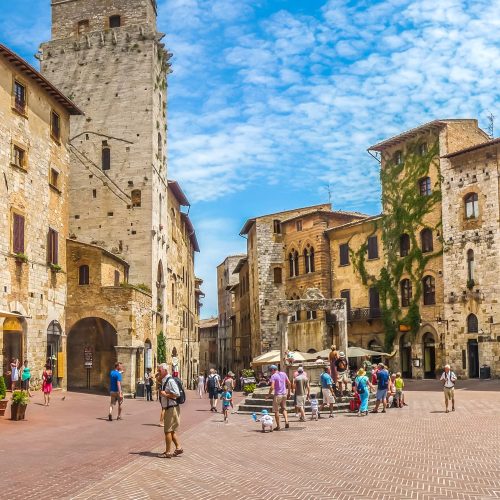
[(18, 234)]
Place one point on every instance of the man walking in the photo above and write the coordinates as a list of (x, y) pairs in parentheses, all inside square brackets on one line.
[(280, 386), (301, 391), (449, 378), (169, 394), (212, 386), (327, 391), (342, 370), (382, 387), (115, 391)]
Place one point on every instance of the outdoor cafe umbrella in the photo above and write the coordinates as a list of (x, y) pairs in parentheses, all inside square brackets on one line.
[(352, 352), (273, 357)]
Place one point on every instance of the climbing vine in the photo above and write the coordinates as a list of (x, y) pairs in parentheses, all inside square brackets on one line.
[(161, 348), (404, 212)]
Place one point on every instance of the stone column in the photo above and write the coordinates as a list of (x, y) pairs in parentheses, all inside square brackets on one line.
[(283, 337), (126, 356), (342, 322)]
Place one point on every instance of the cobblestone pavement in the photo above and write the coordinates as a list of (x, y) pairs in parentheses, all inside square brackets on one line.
[(416, 452)]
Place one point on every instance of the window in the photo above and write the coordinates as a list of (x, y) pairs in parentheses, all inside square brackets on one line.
[(309, 260), (472, 324), (346, 294), (83, 26), (293, 262), (106, 158), (429, 284), (296, 315), (312, 314), (17, 233), (115, 21), (425, 186), (471, 206), (470, 266), (19, 97), (298, 225), (55, 126), (18, 156), (136, 198), (54, 178), (117, 278), (406, 292), (173, 294), (344, 254), (276, 226), (160, 146), (404, 245), (373, 247), (398, 157), (52, 247), (83, 275), (374, 301), (426, 240), (422, 149), (278, 278)]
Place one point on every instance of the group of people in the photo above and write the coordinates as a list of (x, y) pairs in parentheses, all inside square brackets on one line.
[(20, 378)]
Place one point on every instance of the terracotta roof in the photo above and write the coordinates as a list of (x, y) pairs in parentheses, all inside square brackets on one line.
[(32, 73), (208, 323), (178, 193), (435, 124), (473, 148), (191, 231), (102, 249), (331, 214)]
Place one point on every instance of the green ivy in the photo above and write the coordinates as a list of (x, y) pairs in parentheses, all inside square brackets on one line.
[(161, 348), (404, 213)]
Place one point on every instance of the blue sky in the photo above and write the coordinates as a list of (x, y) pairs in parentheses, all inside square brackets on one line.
[(272, 100)]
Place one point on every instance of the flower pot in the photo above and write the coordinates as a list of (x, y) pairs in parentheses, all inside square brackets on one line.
[(17, 411), (3, 406)]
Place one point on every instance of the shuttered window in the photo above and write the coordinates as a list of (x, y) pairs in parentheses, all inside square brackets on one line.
[(52, 247), (17, 233), (372, 247), (344, 254)]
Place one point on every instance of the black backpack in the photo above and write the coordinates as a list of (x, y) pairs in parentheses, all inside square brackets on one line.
[(182, 398), (48, 379)]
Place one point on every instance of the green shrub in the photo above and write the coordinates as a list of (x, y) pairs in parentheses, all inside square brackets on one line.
[(3, 388), (248, 372), (20, 398), (248, 388)]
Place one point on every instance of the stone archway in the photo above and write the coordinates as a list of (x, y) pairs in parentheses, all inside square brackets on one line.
[(91, 354), (13, 341), (429, 355)]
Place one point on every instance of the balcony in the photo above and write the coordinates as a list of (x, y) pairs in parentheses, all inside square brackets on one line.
[(363, 313)]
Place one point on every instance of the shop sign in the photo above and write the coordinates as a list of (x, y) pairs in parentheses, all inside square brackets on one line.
[(88, 356)]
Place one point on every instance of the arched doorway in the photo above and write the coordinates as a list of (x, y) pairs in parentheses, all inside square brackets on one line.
[(405, 355), (429, 355), (54, 332), (375, 346), (91, 354), (13, 342)]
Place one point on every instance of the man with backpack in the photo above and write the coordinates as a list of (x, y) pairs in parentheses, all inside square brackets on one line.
[(213, 386), (342, 366), (172, 395)]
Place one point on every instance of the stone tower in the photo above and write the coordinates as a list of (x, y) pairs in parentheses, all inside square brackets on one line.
[(108, 57)]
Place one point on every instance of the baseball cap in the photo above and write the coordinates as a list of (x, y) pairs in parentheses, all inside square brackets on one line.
[(300, 369), (273, 367)]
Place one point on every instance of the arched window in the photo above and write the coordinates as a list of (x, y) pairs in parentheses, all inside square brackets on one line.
[(136, 198), (160, 146), (309, 260), (295, 316), (426, 240), (471, 206), (470, 266), (404, 245), (293, 262), (425, 186), (83, 275), (106, 158), (406, 292), (472, 324), (429, 284)]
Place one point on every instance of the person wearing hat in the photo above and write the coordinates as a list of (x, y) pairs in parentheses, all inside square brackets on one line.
[(266, 420), (280, 387), (342, 370), (301, 391), (362, 386)]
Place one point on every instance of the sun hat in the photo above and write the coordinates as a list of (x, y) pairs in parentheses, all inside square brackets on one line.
[(265, 412), (361, 372)]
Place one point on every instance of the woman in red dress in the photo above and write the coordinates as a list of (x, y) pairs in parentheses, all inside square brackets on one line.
[(47, 384)]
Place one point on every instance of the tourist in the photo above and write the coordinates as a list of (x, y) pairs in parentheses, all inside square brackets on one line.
[(201, 385), (26, 377), (314, 407), (266, 420), (382, 387), (391, 392), (47, 384), (229, 383), (14, 373), (327, 390), (148, 384), (227, 402), (449, 378), (296, 374), (115, 391), (342, 367), (332, 358), (301, 391), (158, 378), (399, 384), (362, 388), (212, 386), (280, 387), (169, 394)]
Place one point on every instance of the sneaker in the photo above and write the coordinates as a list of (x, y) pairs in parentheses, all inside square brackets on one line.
[(277, 428), (287, 425), (110, 418)]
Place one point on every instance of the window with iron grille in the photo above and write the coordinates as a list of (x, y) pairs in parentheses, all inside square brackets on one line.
[(19, 97)]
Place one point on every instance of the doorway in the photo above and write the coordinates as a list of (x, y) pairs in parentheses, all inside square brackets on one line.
[(473, 350), (53, 348), (405, 356), (429, 356)]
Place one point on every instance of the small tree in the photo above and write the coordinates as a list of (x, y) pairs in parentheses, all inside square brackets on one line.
[(3, 388), (161, 348)]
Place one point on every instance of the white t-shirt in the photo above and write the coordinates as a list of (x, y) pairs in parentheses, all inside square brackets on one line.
[(449, 378), (201, 380), (266, 420), (170, 387), (314, 405)]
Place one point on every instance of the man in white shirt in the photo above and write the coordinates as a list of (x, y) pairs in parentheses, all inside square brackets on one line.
[(449, 378), (168, 396)]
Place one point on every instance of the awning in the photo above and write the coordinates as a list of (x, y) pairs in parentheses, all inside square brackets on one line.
[(352, 352), (274, 357), (8, 314)]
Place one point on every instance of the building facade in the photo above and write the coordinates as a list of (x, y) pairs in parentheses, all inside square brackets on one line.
[(208, 344), (34, 159)]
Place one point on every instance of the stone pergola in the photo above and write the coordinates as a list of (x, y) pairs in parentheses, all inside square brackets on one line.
[(313, 300)]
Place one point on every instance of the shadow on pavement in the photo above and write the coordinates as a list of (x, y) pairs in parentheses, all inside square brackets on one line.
[(145, 453)]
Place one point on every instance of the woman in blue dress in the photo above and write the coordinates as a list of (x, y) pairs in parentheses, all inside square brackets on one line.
[(362, 386)]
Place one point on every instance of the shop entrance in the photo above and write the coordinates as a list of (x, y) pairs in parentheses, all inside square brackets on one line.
[(12, 345), (473, 350), (54, 332), (429, 356), (405, 356)]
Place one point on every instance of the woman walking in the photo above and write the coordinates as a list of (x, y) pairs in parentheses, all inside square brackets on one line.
[(26, 377), (14, 374), (362, 386), (47, 384), (201, 385)]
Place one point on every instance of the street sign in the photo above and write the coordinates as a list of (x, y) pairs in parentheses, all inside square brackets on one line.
[(88, 356)]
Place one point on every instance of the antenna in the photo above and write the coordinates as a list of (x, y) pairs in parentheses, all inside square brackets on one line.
[(329, 190), (491, 125)]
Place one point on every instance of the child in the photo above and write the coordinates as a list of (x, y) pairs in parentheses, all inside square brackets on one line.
[(227, 402), (314, 407), (399, 383), (266, 420)]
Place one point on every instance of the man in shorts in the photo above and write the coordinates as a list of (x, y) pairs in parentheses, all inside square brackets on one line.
[(342, 371), (382, 387), (327, 391), (301, 391), (172, 420), (115, 391), (449, 378), (280, 387)]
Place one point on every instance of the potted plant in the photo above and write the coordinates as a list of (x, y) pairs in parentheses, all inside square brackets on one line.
[(20, 400), (3, 400), (21, 258)]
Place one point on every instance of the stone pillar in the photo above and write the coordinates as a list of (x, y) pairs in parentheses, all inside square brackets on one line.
[(342, 322), (283, 337), (126, 355)]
